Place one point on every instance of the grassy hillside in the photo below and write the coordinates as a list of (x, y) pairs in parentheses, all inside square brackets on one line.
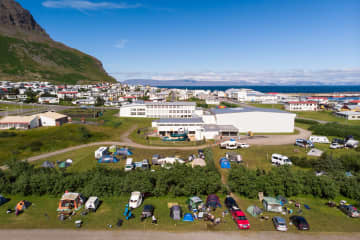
[(26, 61)]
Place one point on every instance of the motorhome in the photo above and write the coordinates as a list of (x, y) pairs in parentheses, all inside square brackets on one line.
[(129, 165), (319, 139), (278, 159), (231, 144), (101, 151)]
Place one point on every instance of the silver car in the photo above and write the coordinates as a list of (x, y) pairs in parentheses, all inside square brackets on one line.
[(280, 224)]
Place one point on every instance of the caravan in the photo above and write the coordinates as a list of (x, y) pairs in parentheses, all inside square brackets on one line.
[(319, 139), (129, 165), (278, 159), (101, 152)]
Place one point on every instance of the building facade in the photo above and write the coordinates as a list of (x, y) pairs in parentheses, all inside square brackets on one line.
[(158, 109), (302, 106)]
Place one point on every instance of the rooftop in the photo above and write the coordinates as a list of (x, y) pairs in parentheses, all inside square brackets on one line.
[(53, 115), (17, 119), (245, 109), (172, 103), (179, 120)]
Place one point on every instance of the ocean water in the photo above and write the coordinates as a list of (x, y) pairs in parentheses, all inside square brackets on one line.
[(280, 89)]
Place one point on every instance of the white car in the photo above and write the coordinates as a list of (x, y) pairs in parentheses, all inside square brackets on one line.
[(243, 145), (135, 200), (92, 203), (336, 145)]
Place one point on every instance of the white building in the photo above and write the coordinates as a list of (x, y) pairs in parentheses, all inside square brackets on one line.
[(302, 106), (212, 101), (158, 109), (228, 122), (52, 119), (349, 115), (256, 120), (48, 100), (19, 122)]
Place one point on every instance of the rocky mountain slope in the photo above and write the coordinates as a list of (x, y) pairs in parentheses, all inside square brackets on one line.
[(27, 53)]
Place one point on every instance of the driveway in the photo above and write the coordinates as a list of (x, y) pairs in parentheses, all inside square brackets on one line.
[(150, 235)]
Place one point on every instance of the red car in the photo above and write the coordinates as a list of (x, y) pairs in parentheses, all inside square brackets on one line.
[(240, 219)]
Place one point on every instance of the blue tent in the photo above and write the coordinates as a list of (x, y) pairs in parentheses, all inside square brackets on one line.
[(225, 163), (124, 151), (188, 217), (108, 159)]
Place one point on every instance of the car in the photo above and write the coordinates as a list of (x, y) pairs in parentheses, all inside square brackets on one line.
[(278, 159), (230, 202), (338, 140), (135, 199), (349, 210), (280, 224), (92, 203), (336, 145), (240, 219), (299, 222), (243, 145), (304, 143)]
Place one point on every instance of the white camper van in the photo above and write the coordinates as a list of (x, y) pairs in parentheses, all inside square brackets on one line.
[(129, 164), (100, 152), (319, 139), (92, 203), (278, 159)]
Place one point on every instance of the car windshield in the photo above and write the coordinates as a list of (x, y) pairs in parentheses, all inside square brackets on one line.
[(241, 218)]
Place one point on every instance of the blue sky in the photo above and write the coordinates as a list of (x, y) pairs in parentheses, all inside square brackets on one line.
[(167, 39)]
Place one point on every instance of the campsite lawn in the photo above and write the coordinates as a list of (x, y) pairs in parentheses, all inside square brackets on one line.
[(42, 215), (320, 217), (326, 116), (84, 160)]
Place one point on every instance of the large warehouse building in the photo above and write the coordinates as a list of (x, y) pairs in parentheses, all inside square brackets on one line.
[(228, 122), (257, 120)]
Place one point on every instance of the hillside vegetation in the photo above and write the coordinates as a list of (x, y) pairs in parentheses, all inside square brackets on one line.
[(29, 61)]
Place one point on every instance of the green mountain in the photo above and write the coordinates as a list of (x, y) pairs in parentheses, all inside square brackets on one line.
[(27, 53)]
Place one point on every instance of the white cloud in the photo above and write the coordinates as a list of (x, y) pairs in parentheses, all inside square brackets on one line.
[(330, 76), (121, 43), (88, 5)]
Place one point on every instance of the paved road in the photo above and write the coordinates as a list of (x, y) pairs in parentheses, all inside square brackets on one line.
[(150, 235)]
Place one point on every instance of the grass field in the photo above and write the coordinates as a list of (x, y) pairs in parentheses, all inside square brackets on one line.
[(84, 159), (326, 116), (42, 214), (12, 107), (275, 106)]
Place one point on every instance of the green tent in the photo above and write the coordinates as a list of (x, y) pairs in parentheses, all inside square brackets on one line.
[(254, 210), (62, 165)]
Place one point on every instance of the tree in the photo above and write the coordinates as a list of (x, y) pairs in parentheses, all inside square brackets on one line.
[(99, 101)]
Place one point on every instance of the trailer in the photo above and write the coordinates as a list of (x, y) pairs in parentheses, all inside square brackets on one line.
[(101, 151), (319, 139)]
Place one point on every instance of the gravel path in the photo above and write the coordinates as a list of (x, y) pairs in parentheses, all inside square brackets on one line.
[(144, 235)]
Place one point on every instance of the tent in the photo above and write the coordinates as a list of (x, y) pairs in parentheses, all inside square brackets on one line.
[(108, 159), (112, 149), (282, 199), (3, 200), (62, 164), (198, 162), (254, 210), (176, 212), (188, 217), (213, 201), (47, 164), (194, 202), (124, 152), (225, 163), (315, 152)]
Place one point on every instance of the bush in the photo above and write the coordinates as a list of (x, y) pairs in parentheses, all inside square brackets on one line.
[(336, 129), (306, 121), (180, 180)]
